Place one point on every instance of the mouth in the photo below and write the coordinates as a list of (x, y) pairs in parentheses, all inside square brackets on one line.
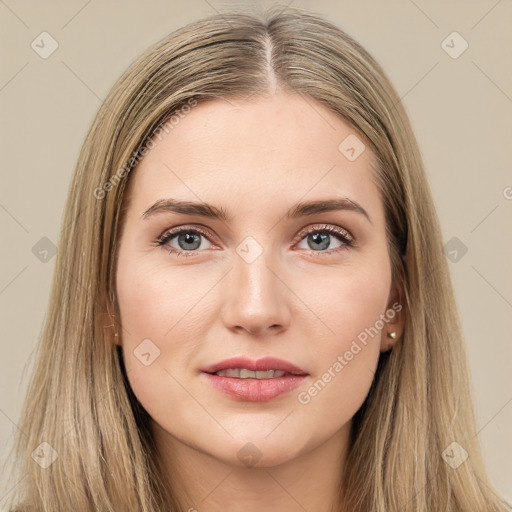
[(244, 373), (254, 381)]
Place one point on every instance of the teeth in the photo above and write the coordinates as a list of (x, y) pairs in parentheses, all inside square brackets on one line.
[(232, 372), (242, 373)]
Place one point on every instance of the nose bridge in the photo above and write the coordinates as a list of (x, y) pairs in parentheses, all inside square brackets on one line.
[(257, 299)]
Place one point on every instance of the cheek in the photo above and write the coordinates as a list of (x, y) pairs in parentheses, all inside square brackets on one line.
[(156, 303), (352, 310), (351, 306), (163, 321)]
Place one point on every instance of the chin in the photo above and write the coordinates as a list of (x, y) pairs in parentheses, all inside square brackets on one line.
[(253, 455), (261, 450)]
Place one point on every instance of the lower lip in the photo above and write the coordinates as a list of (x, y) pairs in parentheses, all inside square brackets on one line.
[(254, 390)]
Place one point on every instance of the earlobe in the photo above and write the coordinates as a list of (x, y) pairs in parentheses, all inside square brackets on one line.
[(395, 321), (117, 340), (389, 341), (111, 328)]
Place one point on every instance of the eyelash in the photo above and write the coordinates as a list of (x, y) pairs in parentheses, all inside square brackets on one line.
[(343, 235)]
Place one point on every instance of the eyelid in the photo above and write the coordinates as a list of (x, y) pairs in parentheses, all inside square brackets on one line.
[(329, 228), (172, 232)]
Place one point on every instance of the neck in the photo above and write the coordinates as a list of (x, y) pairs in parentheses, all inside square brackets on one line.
[(203, 483)]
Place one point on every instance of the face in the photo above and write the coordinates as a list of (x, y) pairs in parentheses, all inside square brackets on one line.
[(262, 278)]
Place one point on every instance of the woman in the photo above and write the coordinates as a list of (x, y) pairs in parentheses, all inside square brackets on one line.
[(251, 307)]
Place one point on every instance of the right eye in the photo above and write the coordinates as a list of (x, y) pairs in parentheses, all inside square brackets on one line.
[(187, 239)]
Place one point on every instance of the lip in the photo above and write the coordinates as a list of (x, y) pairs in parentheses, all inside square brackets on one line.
[(254, 390), (263, 364)]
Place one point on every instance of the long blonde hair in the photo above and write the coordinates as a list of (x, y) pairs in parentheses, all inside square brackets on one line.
[(79, 400)]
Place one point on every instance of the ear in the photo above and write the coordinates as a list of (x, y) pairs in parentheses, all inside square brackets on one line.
[(111, 325), (394, 320)]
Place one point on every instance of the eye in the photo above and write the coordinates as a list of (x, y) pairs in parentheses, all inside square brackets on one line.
[(187, 239), (318, 238)]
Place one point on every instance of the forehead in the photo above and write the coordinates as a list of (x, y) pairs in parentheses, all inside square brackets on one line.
[(265, 149)]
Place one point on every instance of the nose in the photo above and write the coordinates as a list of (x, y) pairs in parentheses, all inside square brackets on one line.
[(256, 298)]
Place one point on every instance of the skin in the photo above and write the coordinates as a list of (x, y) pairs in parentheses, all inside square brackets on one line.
[(256, 159)]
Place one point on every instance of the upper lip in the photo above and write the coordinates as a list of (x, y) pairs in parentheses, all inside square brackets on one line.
[(263, 364)]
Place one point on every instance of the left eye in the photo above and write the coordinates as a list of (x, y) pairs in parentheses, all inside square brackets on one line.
[(318, 240)]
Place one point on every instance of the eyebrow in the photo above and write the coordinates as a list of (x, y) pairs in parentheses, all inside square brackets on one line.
[(206, 210)]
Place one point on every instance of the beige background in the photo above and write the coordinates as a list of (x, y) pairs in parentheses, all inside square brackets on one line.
[(460, 108)]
